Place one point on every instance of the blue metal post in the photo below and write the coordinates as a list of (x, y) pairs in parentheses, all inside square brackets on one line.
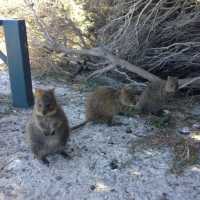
[(18, 62)]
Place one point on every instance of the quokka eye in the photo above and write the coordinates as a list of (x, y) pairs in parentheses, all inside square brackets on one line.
[(40, 105), (48, 105)]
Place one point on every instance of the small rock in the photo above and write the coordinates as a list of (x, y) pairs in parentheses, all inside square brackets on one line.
[(85, 148), (196, 126), (92, 187), (129, 130), (111, 142), (23, 169), (114, 164), (58, 178), (184, 131), (123, 137), (164, 196)]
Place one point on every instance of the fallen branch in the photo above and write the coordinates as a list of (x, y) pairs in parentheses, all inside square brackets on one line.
[(123, 74), (53, 45), (185, 82), (114, 60), (132, 68), (101, 71)]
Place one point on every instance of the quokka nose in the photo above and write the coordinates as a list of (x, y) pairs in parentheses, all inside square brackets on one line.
[(44, 112), (47, 105)]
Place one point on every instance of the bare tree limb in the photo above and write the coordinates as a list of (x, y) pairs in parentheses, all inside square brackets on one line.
[(101, 71), (97, 52), (132, 68), (123, 74), (185, 82)]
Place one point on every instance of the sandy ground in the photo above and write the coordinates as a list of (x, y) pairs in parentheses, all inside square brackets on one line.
[(102, 165)]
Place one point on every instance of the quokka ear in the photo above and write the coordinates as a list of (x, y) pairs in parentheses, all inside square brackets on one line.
[(39, 92), (52, 90), (170, 78)]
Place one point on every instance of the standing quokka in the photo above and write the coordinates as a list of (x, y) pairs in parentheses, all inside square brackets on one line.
[(106, 102), (156, 95), (48, 129)]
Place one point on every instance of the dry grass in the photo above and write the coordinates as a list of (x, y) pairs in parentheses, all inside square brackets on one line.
[(161, 36), (48, 21)]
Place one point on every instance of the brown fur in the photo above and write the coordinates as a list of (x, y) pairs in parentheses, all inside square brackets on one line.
[(106, 102), (156, 94), (48, 129)]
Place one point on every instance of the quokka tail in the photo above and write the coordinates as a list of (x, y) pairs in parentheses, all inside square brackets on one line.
[(79, 125)]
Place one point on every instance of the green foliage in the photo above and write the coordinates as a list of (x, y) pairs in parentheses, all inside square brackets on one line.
[(185, 155), (160, 122)]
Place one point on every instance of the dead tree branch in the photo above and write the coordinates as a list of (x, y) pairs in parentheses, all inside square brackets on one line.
[(101, 71), (186, 82), (114, 60)]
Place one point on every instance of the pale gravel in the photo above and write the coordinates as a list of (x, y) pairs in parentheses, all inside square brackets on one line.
[(144, 175)]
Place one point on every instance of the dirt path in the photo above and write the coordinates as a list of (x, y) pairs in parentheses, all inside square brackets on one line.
[(102, 165)]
